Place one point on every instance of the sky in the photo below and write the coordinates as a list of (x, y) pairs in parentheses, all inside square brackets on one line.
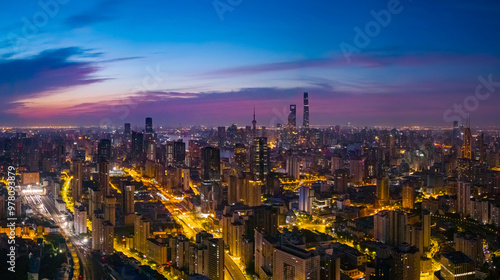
[(210, 62)]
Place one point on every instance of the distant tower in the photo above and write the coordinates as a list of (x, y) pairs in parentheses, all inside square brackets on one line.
[(254, 124), (467, 144), (306, 110), (149, 125), (292, 117)]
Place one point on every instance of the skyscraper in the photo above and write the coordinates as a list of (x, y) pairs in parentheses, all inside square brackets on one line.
[(149, 125), (137, 145), (292, 116), (457, 266), (259, 159), (408, 196), (104, 177), (466, 151), (306, 110), (306, 197), (126, 131), (104, 149), (210, 158), (76, 182), (463, 197), (383, 190)]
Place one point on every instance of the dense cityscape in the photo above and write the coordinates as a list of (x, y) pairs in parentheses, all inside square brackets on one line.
[(250, 202)]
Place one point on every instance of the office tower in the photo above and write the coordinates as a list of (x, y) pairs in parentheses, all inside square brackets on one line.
[(470, 245), (240, 158), (185, 179), (141, 233), (110, 209), (457, 266), (104, 177), (149, 125), (97, 221), (259, 159), (383, 191), (232, 189), (80, 222), (406, 262), (151, 151), (194, 154), (137, 148), (292, 116), (341, 180), (463, 197), (104, 149), (108, 234), (356, 170), (306, 110), (254, 125), (221, 135), (292, 166), (291, 262), (408, 196), (179, 153), (76, 182), (466, 151), (210, 164), (126, 131), (306, 198)]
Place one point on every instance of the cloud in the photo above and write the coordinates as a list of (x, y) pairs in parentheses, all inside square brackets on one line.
[(49, 70), (99, 13), (368, 59)]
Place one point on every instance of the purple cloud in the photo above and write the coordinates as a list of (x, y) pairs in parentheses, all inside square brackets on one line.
[(49, 70)]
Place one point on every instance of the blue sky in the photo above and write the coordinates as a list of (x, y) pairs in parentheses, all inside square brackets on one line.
[(90, 62)]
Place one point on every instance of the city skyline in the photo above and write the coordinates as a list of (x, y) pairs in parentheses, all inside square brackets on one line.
[(92, 63)]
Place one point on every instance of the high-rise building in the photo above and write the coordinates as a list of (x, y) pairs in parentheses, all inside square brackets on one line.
[(108, 235), (149, 125), (306, 198), (390, 227), (406, 262), (259, 159), (141, 233), (104, 149), (76, 182), (110, 208), (306, 110), (126, 131), (356, 170), (466, 151), (97, 220), (383, 190), (151, 151), (221, 135), (292, 116), (470, 245), (80, 222), (104, 177), (408, 196), (240, 158), (341, 180), (292, 166), (291, 262), (210, 166), (128, 204), (463, 197), (137, 148), (457, 266)]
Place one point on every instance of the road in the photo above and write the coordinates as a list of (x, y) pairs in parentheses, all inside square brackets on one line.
[(80, 252)]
